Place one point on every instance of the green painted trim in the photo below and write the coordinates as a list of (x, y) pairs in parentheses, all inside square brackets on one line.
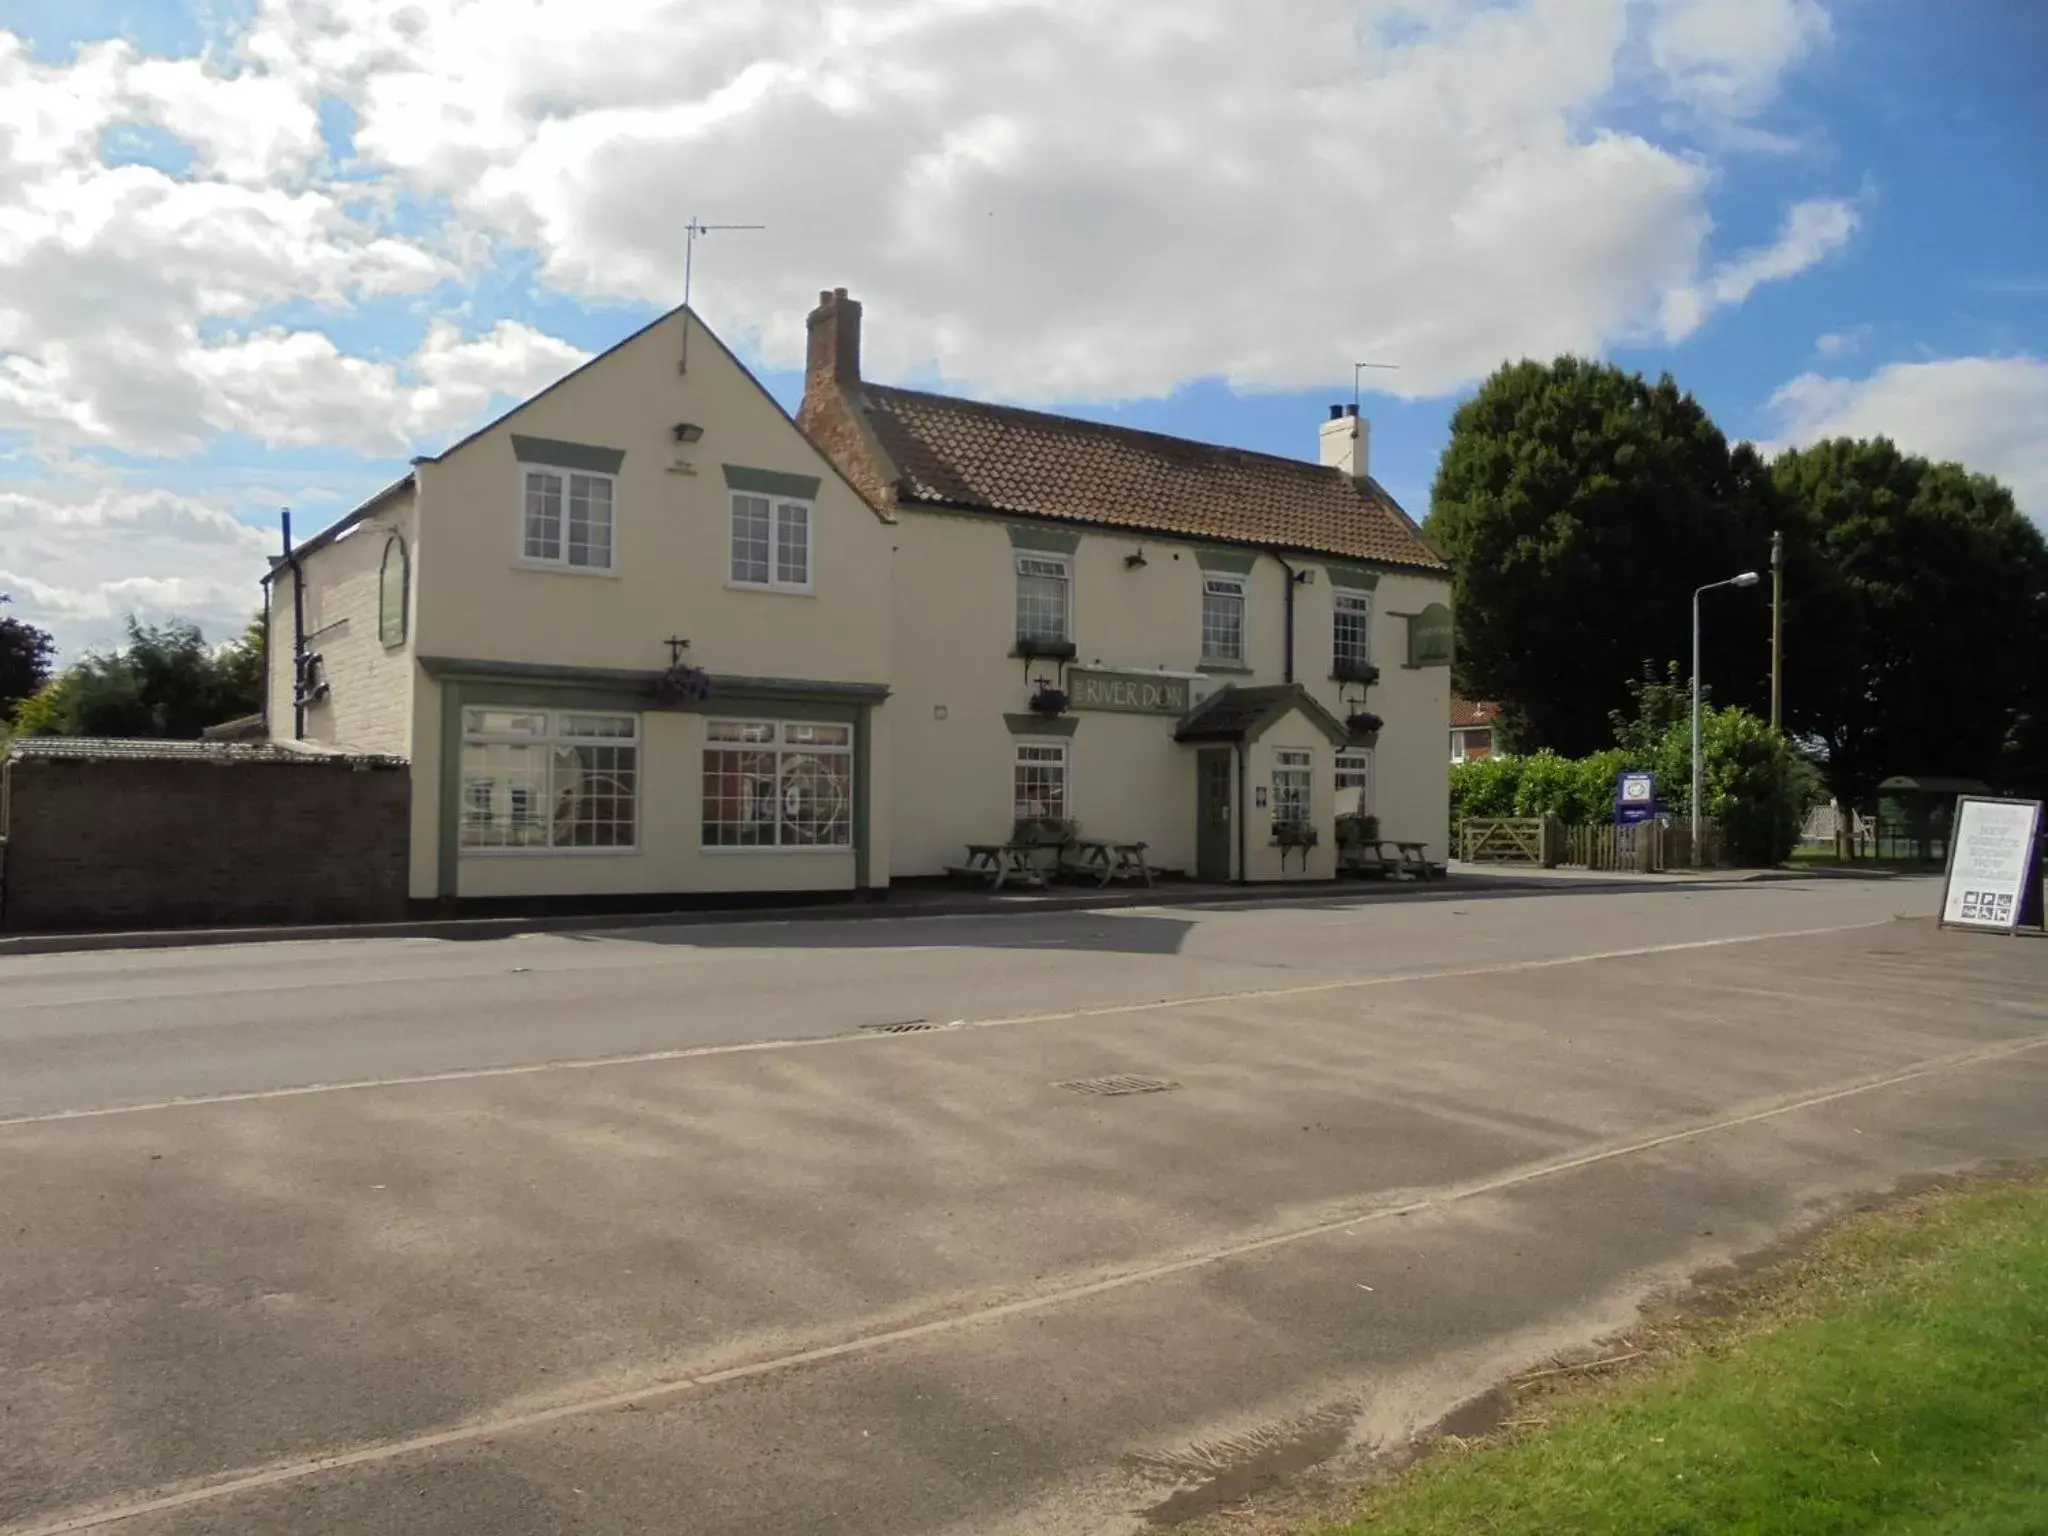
[(558, 696), (771, 482), (1224, 669), (633, 682), (1352, 577), (1228, 562), (447, 867), (1051, 541), (863, 796), (557, 455), (1040, 725)]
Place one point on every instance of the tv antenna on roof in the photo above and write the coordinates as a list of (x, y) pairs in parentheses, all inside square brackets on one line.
[(691, 231), (1357, 373)]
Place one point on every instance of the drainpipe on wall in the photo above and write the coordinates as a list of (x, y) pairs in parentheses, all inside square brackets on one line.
[(298, 629), (1287, 667)]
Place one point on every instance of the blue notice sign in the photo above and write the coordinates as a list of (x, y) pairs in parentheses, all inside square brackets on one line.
[(1635, 797)]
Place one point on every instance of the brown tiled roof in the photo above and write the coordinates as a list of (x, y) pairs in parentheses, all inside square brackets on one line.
[(997, 458), (1466, 712)]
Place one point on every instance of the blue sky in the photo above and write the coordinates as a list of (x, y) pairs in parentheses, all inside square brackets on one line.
[(271, 250)]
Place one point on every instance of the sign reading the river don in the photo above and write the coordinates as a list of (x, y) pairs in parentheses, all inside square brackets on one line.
[(1430, 637), (1993, 864), (1136, 693)]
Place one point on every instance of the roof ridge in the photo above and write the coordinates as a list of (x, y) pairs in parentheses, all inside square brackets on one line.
[(1107, 426)]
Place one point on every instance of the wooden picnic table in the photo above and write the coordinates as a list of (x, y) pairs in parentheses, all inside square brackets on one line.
[(1104, 860), (1371, 855), (1001, 864)]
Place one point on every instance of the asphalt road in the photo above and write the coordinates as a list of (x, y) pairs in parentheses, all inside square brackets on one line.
[(658, 1230)]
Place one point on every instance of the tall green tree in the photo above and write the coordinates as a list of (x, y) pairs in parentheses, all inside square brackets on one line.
[(1914, 615), (1579, 506), (165, 682), (26, 653)]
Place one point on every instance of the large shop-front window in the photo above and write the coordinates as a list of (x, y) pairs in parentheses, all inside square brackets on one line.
[(549, 779), (1293, 777), (1040, 781), (777, 784)]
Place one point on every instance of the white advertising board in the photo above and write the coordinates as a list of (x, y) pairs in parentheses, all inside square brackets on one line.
[(1990, 860)]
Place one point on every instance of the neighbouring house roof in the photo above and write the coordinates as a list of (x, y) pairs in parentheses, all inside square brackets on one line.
[(1470, 712), (999, 458), (109, 749), (1245, 714)]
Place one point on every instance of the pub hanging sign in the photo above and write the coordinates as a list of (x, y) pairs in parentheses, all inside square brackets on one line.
[(1431, 638), (1134, 693)]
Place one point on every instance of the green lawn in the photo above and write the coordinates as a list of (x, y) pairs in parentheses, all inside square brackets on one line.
[(1893, 1380)]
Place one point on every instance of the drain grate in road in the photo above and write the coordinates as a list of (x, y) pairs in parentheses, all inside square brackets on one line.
[(1117, 1086), (900, 1027)]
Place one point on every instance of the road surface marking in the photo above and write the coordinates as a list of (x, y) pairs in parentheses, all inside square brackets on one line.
[(868, 1037), (861, 1344)]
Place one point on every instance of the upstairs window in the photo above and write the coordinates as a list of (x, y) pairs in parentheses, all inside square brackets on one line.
[(771, 543), (1223, 619), (568, 519), (1351, 632), (1045, 608)]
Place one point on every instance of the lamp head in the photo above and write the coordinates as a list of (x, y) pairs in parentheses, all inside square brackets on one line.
[(1746, 579)]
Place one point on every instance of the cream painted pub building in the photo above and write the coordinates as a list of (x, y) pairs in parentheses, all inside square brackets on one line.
[(645, 635)]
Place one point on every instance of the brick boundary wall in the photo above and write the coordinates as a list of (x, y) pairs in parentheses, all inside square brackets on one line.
[(154, 843)]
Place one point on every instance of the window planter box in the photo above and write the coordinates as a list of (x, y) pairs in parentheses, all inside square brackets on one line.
[(1355, 672), (1034, 648)]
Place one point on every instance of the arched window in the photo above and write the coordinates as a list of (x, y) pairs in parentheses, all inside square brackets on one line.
[(392, 582)]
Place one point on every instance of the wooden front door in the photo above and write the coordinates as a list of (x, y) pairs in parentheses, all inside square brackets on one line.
[(1212, 812)]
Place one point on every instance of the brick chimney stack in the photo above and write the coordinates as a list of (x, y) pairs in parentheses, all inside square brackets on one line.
[(835, 343), (1346, 442)]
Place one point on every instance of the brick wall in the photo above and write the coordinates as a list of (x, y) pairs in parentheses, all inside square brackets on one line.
[(149, 843)]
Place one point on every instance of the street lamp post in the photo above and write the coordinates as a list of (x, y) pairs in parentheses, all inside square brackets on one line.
[(1746, 579)]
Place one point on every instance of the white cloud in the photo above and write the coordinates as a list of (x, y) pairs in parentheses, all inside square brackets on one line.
[(76, 562), (1812, 232), (1057, 198), (1836, 344), (1727, 57), (1983, 412)]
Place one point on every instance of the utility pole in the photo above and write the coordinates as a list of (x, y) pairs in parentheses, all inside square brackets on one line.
[(1777, 631)]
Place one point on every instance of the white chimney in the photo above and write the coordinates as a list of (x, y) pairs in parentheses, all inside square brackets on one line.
[(1347, 442)]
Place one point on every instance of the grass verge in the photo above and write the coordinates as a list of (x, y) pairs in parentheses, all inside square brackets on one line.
[(1891, 1379)]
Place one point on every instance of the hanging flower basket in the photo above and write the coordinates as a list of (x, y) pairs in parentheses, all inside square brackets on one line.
[(1365, 728), (682, 684), (1048, 701)]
